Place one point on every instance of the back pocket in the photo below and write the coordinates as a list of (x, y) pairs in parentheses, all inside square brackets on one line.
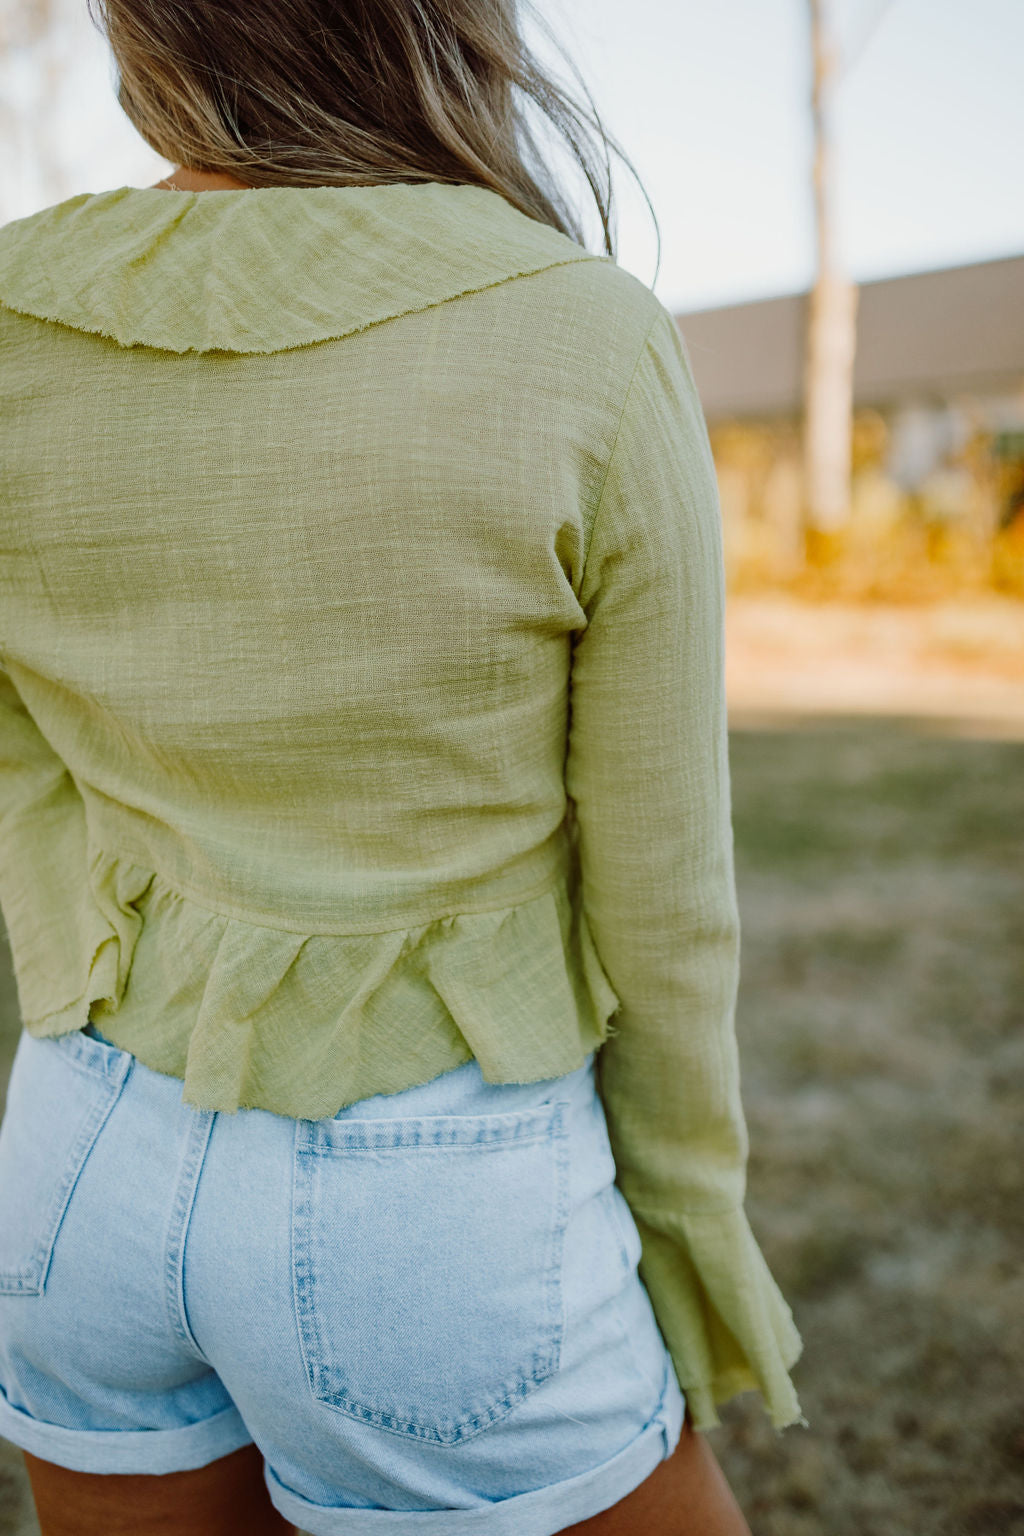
[(427, 1265), (60, 1092)]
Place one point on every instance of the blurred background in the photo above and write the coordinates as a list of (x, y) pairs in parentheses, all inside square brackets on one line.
[(837, 185)]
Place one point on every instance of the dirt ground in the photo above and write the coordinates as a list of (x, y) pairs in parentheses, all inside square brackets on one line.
[(955, 665), (880, 864)]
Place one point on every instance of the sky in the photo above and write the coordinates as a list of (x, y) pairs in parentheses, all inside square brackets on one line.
[(711, 104)]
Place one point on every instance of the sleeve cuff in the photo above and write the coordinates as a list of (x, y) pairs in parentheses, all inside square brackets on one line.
[(726, 1324)]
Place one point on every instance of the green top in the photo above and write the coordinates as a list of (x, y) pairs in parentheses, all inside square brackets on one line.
[(363, 707)]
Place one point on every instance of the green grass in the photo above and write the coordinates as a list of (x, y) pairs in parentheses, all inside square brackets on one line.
[(881, 883)]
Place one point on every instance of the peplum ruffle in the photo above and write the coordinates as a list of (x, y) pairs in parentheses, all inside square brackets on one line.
[(251, 1016)]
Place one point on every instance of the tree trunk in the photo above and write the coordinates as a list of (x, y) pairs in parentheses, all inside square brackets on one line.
[(831, 331)]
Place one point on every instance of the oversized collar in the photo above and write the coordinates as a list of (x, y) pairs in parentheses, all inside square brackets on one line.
[(266, 268)]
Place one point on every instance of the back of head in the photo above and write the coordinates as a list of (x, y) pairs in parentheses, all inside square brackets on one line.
[(351, 93)]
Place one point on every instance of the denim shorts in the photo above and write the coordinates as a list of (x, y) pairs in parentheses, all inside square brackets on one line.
[(425, 1311)]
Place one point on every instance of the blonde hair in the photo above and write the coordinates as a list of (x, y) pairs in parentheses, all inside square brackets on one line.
[(354, 93)]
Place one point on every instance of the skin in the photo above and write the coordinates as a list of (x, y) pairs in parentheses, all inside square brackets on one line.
[(183, 180), (685, 1495)]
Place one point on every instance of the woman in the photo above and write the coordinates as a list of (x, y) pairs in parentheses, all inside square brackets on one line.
[(363, 757)]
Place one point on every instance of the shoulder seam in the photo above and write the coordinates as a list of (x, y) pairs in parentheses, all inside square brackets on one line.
[(615, 441)]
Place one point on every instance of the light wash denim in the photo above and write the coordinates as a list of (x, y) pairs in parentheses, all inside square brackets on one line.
[(425, 1311)]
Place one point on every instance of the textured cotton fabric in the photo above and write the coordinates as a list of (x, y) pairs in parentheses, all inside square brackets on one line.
[(362, 707)]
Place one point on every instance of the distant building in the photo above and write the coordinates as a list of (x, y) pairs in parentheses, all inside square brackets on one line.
[(938, 400)]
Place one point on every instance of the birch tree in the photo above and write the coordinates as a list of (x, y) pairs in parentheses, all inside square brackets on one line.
[(831, 323), (832, 309)]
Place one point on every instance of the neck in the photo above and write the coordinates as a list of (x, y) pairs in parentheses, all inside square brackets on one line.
[(183, 180)]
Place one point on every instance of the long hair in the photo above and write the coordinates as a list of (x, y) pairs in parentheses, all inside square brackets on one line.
[(355, 93)]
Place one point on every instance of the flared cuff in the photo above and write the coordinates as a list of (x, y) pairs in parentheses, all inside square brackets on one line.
[(726, 1324)]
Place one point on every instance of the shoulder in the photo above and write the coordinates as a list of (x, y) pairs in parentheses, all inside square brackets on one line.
[(597, 319), (603, 294)]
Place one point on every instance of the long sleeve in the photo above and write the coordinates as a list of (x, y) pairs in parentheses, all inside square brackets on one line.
[(66, 952), (647, 771)]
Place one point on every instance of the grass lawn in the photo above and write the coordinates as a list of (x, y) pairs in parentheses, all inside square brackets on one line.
[(881, 879)]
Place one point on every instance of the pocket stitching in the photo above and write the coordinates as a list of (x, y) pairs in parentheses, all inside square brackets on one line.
[(30, 1280), (402, 1132), (521, 1380)]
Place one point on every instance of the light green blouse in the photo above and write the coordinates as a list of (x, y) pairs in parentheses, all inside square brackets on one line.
[(362, 705)]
